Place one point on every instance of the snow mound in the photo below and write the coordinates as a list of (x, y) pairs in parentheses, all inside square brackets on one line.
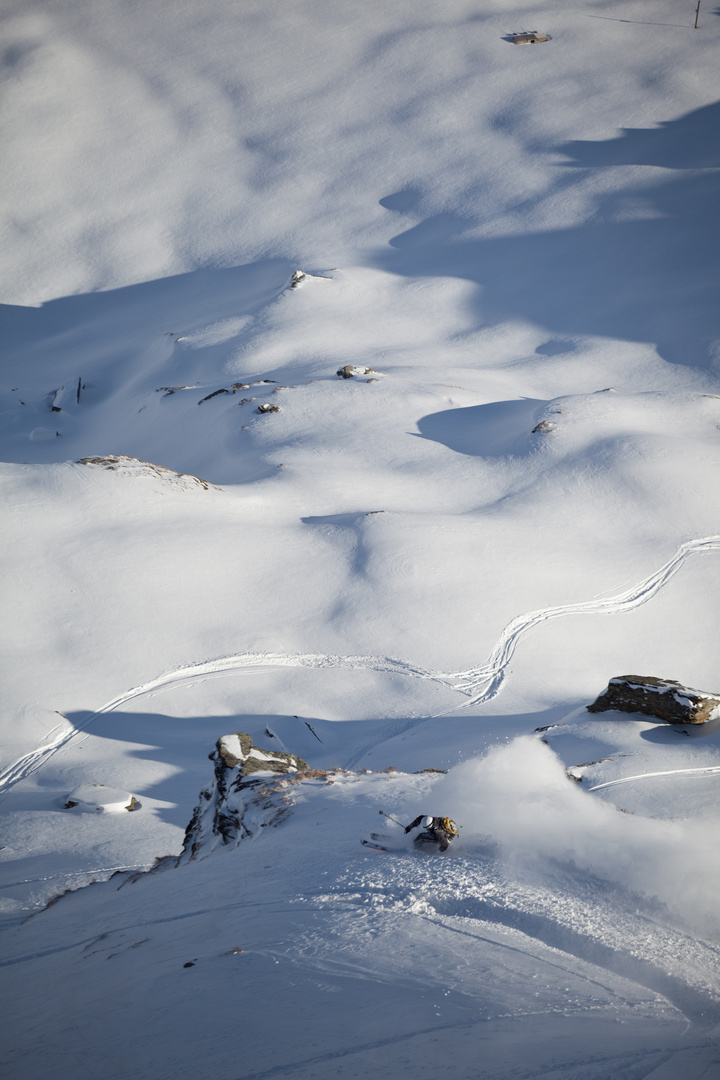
[(97, 798)]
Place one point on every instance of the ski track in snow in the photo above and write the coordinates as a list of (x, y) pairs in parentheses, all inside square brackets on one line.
[(707, 770), (483, 683), (75, 874), (479, 684)]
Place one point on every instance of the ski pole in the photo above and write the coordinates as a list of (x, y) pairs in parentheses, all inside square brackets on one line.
[(393, 819)]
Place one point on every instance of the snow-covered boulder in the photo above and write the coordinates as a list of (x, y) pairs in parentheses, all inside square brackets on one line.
[(664, 698), (97, 798)]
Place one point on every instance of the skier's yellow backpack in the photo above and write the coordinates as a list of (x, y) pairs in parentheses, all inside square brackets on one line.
[(448, 826)]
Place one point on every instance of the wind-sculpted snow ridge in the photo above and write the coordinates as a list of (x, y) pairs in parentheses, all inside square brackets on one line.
[(479, 684)]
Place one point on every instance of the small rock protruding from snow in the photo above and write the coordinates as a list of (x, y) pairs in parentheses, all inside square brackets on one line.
[(267, 408), (530, 37), (349, 371), (167, 391), (97, 798), (544, 427), (301, 277), (663, 698)]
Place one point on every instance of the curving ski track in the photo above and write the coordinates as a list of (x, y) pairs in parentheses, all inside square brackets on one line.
[(707, 770), (483, 683), (479, 684)]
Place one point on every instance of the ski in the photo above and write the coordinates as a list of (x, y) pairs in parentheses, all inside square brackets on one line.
[(374, 846)]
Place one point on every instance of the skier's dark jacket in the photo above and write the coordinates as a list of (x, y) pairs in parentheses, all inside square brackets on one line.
[(433, 833)]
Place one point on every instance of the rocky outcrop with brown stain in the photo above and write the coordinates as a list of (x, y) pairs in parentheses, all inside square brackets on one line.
[(663, 698)]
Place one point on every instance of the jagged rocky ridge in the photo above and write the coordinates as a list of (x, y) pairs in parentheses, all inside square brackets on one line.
[(663, 698), (244, 795)]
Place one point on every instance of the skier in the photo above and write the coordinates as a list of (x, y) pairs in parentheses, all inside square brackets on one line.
[(436, 830)]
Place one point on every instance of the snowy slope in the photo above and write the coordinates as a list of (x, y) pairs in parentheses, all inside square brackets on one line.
[(512, 500)]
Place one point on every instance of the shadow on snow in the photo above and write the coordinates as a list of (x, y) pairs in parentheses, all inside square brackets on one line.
[(644, 269)]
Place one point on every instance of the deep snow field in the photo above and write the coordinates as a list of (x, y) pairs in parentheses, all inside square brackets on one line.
[(435, 564)]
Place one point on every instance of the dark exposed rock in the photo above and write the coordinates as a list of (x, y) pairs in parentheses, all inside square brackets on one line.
[(664, 698), (229, 754), (238, 749), (532, 37), (235, 805), (350, 371), (268, 408), (222, 390)]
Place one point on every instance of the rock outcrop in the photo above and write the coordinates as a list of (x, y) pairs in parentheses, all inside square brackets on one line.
[(130, 466), (242, 798), (350, 371), (238, 750), (663, 698)]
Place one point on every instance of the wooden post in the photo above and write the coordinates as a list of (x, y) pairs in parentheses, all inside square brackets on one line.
[(697, 12)]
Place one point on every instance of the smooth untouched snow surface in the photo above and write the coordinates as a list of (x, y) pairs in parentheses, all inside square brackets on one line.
[(434, 564)]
